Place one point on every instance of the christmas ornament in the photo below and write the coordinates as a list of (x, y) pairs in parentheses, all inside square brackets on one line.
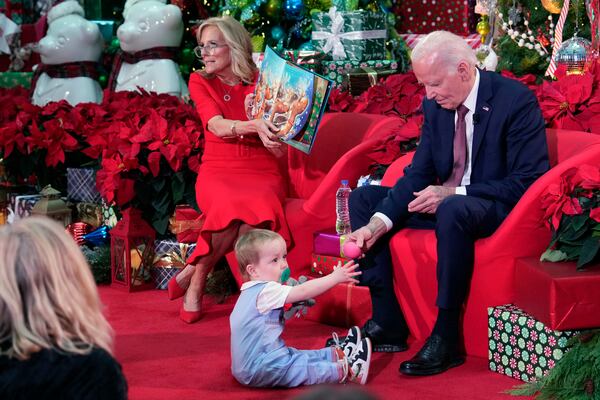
[(306, 46), (98, 237), (277, 33), (77, 230), (573, 55), (483, 27), (273, 8), (258, 43), (294, 9), (552, 6), (558, 32)]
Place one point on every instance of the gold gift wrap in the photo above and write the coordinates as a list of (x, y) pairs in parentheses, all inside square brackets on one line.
[(360, 79), (90, 213), (173, 258)]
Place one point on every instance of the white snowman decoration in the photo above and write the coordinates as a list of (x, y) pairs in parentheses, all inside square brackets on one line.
[(150, 27), (69, 53)]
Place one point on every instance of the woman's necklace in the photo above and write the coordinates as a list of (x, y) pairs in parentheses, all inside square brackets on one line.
[(231, 85)]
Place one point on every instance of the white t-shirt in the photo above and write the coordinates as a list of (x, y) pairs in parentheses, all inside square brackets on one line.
[(272, 296)]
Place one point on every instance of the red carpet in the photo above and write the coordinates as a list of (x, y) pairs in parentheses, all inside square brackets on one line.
[(163, 358)]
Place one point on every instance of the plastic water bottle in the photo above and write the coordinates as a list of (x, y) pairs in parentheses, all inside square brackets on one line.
[(342, 221)]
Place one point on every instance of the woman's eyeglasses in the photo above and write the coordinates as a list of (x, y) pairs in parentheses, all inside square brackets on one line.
[(208, 48)]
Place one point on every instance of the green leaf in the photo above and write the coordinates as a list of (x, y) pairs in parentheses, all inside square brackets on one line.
[(158, 183), (553, 256), (588, 252), (578, 221), (161, 223), (177, 188), (161, 201)]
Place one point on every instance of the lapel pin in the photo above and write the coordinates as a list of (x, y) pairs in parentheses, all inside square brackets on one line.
[(485, 108)]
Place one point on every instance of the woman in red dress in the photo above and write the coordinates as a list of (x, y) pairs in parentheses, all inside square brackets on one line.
[(239, 183)]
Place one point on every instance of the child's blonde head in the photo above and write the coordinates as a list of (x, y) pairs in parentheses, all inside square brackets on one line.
[(247, 247), (48, 297)]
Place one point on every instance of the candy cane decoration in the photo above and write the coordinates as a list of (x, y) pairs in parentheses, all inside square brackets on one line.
[(558, 38)]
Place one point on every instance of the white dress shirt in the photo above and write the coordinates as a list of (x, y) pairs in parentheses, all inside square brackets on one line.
[(471, 103)]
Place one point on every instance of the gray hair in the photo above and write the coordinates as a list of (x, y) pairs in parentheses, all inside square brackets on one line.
[(450, 49)]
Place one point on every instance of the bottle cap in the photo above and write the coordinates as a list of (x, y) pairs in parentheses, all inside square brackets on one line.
[(345, 182)]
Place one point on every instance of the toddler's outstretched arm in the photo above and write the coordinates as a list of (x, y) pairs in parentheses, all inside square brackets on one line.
[(315, 287)]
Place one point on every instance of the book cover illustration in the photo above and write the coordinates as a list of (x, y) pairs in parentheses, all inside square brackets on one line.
[(292, 98)]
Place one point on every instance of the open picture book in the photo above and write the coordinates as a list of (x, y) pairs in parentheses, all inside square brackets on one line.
[(292, 98)]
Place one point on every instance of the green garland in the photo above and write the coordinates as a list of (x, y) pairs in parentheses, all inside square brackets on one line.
[(99, 260), (575, 377), (521, 60)]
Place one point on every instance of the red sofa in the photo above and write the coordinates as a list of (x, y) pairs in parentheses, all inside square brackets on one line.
[(346, 145), (522, 234)]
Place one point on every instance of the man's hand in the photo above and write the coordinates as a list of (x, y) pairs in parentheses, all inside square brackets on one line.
[(366, 236), (429, 199)]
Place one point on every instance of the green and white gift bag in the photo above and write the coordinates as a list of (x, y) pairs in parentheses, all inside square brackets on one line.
[(521, 346), (350, 35)]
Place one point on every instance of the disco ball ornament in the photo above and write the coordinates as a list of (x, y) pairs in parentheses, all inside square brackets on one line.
[(552, 6), (573, 55)]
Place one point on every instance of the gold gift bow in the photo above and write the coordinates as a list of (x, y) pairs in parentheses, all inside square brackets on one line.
[(173, 259)]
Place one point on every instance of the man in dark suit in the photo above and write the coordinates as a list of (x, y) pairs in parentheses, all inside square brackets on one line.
[(482, 145)]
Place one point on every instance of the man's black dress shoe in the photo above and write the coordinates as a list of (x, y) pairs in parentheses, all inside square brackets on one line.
[(381, 340), (435, 356)]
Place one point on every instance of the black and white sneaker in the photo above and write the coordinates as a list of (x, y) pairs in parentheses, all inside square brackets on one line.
[(350, 342), (358, 368)]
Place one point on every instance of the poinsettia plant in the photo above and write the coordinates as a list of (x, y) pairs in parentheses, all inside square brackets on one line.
[(150, 146), (573, 213), (572, 101), (38, 143), (147, 147)]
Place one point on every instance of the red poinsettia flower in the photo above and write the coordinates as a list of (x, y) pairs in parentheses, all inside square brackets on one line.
[(109, 180), (528, 80), (340, 101), (563, 101), (595, 214), (54, 139), (557, 200), (398, 94)]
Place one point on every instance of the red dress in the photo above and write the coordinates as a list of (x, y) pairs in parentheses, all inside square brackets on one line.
[(238, 179)]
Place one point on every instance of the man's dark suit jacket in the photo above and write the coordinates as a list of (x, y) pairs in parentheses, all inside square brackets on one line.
[(509, 148)]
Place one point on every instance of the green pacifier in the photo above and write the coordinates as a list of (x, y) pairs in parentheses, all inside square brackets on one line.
[(285, 275)]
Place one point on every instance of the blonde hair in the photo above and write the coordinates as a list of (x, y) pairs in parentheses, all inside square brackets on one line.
[(239, 43), (48, 297), (247, 247), (448, 48)]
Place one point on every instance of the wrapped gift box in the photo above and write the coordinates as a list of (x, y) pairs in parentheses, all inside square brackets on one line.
[(424, 16), (81, 185), (110, 215), (169, 259), (338, 71), (323, 265), (13, 79), (521, 346), (361, 79), (350, 35), (186, 224), (20, 206), (308, 59), (564, 298), (328, 243), (90, 213), (343, 305)]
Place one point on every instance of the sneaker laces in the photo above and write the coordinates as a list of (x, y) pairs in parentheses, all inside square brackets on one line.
[(336, 340), (345, 369)]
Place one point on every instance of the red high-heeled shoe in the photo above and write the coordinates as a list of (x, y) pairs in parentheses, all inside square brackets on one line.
[(189, 317), (174, 290)]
